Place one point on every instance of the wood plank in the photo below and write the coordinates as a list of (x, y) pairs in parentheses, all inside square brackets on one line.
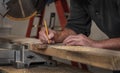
[(31, 42), (20, 40), (102, 58)]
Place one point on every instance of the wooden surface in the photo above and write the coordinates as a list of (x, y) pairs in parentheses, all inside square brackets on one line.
[(102, 58), (19, 39), (43, 69)]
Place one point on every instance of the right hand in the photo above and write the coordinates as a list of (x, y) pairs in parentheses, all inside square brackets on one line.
[(43, 37)]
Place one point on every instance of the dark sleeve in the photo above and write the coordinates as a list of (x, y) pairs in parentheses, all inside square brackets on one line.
[(79, 21), (118, 4)]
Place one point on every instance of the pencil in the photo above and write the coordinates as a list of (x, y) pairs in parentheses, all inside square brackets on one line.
[(46, 29)]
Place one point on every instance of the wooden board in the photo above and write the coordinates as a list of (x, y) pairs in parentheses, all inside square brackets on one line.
[(30, 42), (102, 58), (43, 69), (19, 39)]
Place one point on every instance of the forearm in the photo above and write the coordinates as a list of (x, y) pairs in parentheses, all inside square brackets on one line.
[(109, 44), (61, 35)]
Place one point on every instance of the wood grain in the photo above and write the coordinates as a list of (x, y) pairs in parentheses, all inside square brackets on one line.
[(102, 58)]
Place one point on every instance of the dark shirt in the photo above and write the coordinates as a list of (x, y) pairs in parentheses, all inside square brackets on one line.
[(105, 13)]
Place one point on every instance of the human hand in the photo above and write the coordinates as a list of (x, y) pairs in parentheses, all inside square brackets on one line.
[(79, 40), (43, 37)]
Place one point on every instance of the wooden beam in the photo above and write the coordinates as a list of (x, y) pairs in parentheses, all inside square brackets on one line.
[(30, 42), (19, 39), (103, 58)]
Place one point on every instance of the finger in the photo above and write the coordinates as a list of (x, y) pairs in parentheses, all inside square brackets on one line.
[(50, 34), (43, 37), (75, 43), (41, 32), (76, 38), (70, 39), (70, 44), (43, 40)]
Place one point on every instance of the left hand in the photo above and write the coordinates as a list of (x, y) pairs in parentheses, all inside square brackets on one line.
[(79, 40)]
